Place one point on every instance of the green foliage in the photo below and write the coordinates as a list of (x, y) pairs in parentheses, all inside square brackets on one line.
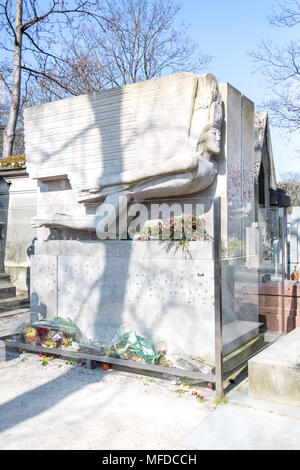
[(180, 392), (201, 399), (197, 359), (221, 400), (133, 347)]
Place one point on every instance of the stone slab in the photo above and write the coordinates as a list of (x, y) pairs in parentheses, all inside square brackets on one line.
[(243, 353), (238, 333), (122, 135), (111, 287), (232, 427), (10, 323), (162, 299), (274, 374), (125, 249), (43, 287), (163, 293), (241, 397)]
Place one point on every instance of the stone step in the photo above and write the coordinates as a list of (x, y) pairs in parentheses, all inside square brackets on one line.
[(13, 303), (5, 283), (243, 352), (18, 311), (7, 290), (274, 373), (11, 321), (238, 333)]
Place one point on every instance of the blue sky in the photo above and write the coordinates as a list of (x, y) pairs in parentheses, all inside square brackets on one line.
[(228, 30)]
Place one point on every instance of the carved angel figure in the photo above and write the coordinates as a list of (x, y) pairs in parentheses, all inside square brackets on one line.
[(153, 139)]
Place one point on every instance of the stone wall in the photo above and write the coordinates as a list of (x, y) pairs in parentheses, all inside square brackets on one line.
[(142, 286), (20, 206)]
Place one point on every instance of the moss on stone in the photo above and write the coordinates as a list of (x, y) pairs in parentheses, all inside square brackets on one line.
[(13, 162)]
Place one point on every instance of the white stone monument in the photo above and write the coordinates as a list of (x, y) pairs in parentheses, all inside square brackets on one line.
[(176, 138)]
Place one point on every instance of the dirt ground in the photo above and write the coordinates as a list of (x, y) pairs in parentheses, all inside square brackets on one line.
[(63, 406)]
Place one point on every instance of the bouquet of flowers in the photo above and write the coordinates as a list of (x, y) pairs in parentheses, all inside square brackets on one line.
[(52, 333)]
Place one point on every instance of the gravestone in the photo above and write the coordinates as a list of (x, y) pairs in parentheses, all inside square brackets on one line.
[(178, 140)]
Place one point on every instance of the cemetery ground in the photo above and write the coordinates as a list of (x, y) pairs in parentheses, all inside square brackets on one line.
[(64, 405)]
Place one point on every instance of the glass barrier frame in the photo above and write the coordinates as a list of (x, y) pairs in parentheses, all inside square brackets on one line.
[(218, 376)]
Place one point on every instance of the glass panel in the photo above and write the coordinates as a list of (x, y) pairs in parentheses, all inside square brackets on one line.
[(252, 270), (271, 271)]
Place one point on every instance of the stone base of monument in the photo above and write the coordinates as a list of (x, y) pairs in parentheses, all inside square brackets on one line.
[(274, 373), (164, 294)]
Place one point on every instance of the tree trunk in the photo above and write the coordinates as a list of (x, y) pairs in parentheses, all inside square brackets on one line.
[(10, 129)]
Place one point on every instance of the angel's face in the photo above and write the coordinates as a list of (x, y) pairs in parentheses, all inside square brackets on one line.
[(213, 141)]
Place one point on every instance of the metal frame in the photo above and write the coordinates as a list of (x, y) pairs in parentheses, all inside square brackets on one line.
[(130, 365), (218, 298), (135, 367), (284, 259), (220, 375)]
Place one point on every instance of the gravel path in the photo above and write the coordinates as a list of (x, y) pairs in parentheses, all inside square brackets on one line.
[(62, 406)]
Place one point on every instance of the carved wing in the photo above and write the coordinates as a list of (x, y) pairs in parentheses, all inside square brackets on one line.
[(114, 137)]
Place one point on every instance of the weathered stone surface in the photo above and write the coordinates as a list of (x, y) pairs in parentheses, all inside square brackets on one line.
[(12, 320), (142, 142), (234, 427), (238, 333), (43, 287), (17, 208), (142, 286), (155, 139), (127, 135), (274, 374)]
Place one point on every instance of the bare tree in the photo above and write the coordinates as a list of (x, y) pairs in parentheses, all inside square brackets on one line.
[(32, 31), (65, 48), (142, 40), (5, 100), (281, 67), (287, 13)]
